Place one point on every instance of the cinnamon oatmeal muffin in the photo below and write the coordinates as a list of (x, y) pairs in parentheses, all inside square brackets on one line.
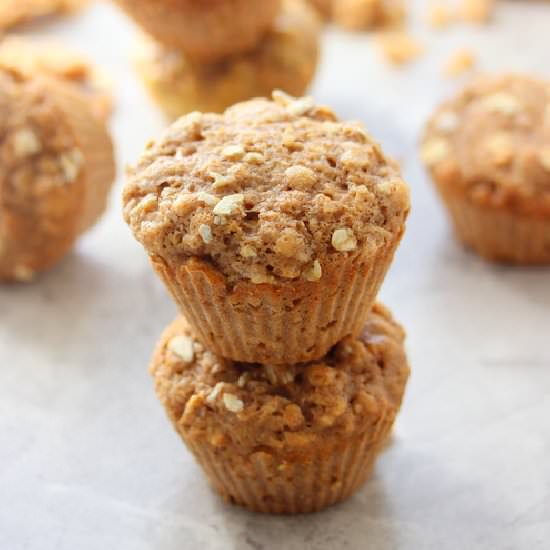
[(285, 58), (356, 15), (17, 12), (488, 151), (55, 60), (205, 30), (272, 225), (285, 440), (57, 167)]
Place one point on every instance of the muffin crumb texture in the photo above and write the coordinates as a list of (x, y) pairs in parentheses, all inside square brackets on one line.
[(291, 411), (270, 190)]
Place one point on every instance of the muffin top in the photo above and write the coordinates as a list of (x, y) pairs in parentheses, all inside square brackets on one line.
[(357, 385), (54, 60), (267, 191), (492, 143)]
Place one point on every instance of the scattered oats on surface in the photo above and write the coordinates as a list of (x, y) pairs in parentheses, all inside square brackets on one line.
[(233, 152), (434, 151), (260, 278), (216, 390), (315, 272), (301, 106), (71, 163), (221, 181), (344, 240), (476, 11), (300, 177), (26, 143), (446, 122), (399, 47), (243, 379), (207, 198), (502, 102), (248, 251), (501, 148), (182, 346), (254, 158), (356, 157), (205, 232), (232, 403), (460, 62), (439, 15), (229, 205)]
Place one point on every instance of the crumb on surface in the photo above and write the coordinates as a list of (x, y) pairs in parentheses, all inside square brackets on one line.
[(460, 62), (399, 47)]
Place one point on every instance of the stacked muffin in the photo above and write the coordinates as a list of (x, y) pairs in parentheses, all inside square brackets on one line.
[(207, 55), (273, 226)]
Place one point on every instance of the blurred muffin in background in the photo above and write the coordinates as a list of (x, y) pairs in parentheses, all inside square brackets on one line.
[(56, 169), (55, 60), (290, 439), (285, 58), (488, 151), (204, 30), (17, 12), (357, 15)]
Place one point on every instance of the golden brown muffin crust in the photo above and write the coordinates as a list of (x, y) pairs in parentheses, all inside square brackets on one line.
[(54, 60), (491, 144), (289, 410), (268, 190), (56, 168)]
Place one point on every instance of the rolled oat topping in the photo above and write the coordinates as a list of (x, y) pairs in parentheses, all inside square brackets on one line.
[(268, 191)]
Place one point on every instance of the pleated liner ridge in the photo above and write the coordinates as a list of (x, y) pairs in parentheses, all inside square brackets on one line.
[(500, 234), (274, 324), (263, 483)]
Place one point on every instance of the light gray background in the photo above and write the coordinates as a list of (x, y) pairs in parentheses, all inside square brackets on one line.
[(87, 459)]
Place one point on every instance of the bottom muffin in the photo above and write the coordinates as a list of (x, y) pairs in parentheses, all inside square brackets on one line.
[(290, 439), (286, 59)]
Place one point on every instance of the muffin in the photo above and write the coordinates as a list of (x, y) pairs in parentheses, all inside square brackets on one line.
[(57, 168), (17, 12), (285, 58), (359, 15), (291, 439), (323, 7), (272, 225), (54, 60), (356, 15), (488, 151), (206, 30)]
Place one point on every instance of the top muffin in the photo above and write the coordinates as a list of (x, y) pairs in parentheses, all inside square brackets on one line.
[(206, 30), (269, 190), (491, 143)]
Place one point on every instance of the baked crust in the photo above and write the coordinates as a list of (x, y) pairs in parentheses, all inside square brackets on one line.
[(491, 145), (56, 168), (268, 192)]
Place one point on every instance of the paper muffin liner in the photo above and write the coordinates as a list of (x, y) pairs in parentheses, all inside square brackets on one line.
[(207, 33), (500, 234), (268, 484), (94, 143), (274, 324)]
